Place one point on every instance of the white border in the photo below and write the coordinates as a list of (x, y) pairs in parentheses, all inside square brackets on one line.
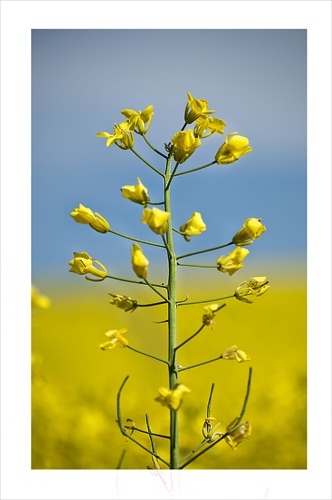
[(17, 20)]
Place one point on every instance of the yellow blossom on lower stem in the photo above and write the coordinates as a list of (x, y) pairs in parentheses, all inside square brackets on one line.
[(139, 262), (137, 193), (156, 219), (123, 135), (115, 339), (123, 302), (252, 288), (172, 398), (252, 229), (82, 263), (233, 261), (193, 226), (39, 300), (233, 353), (84, 215), (208, 316), (237, 434)]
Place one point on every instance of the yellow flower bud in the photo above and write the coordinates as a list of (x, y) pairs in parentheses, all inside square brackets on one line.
[(156, 219), (196, 108), (232, 149), (233, 353), (139, 261), (83, 264), (209, 429), (252, 229), (233, 261), (193, 226), (84, 215), (115, 339), (137, 193), (123, 302), (172, 398), (139, 120), (184, 144)]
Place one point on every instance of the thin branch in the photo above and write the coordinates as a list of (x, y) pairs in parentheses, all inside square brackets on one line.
[(190, 338), (195, 169), (123, 430), (136, 239), (147, 163), (199, 364), (148, 355), (156, 291), (204, 301), (204, 251), (153, 148), (208, 408), (135, 281)]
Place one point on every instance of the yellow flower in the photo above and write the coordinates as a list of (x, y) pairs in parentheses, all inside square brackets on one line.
[(184, 144), (233, 353), (172, 398), (139, 261), (237, 434), (137, 193), (193, 226), (233, 261), (252, 229), (123, 302), (115, 339), (83, 264), (84, 215), (210, 124), (232, 149), (123, 135), (140, 120), (254, 287), (156, 219), (196, 108), (208, 316), (38, 300)]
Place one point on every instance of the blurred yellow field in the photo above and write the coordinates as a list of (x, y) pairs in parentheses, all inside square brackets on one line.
[(75, 383)]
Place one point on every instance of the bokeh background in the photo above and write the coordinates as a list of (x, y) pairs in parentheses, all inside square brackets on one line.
[(255, 80)]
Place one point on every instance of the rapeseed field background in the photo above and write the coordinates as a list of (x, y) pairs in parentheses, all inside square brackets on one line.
[(75, 384)]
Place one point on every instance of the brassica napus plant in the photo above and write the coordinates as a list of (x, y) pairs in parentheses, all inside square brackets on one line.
[(157, 215)]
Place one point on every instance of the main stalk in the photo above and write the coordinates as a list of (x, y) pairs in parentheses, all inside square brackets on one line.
[(173, 371)]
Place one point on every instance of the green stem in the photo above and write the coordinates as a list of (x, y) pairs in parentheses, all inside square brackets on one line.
[(208, 408), (147, 163), (194, 450), (189, 338), (172, 175), (136, 429), (146, 354), (199, 364), (153, 148), (204, 251), (152, 304), (172, 268), (136, 239), (195, 169), (121, 459)]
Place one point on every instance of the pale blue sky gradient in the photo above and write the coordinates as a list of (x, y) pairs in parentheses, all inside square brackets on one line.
[(255, 80)]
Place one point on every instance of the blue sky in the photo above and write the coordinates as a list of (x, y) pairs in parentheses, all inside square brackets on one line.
[(255, 80)]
